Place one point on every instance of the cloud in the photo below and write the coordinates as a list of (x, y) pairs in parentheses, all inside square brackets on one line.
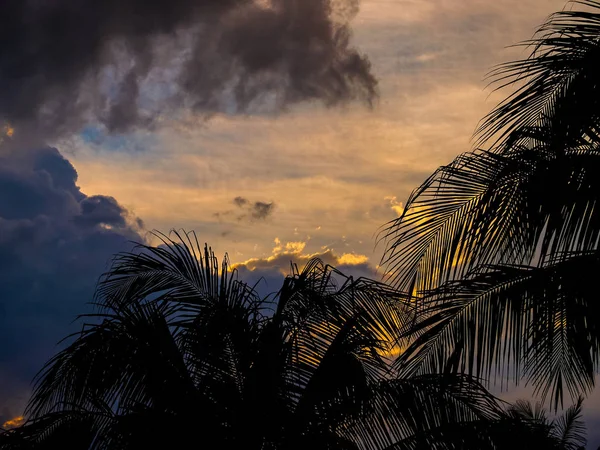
[(330, 168), (13, 423), (261, 210), (268, 272), (395, 205), (251, 211), (352, 259), (55, 241), (128, 63), (240, 201)]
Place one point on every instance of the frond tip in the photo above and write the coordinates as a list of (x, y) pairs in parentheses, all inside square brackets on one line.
[(558, 88)]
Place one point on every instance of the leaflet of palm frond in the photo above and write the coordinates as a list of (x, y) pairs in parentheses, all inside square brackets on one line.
[(570, 427), (537, 322), (487, 208), (557, 83)]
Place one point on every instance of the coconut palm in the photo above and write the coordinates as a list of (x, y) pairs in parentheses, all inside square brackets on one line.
[(498, 249), (181, 351)]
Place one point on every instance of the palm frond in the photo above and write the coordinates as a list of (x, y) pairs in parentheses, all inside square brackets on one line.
[(570, 427), (559, 89), (169, 349), (171, 329), (487, 208), (116, 361), (178, 269), (479, 233), (337, 331), (538, 321), (424, 412)]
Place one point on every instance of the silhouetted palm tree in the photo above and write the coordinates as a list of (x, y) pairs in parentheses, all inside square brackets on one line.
[(499, 249), (182, 353)]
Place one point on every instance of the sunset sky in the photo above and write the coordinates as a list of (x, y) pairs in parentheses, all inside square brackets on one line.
[(266, 184), (334, 175)]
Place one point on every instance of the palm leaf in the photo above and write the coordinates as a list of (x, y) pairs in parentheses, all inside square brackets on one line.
[(558, 84), (538, 321), (176, 344), (570, 427), (487, 208)]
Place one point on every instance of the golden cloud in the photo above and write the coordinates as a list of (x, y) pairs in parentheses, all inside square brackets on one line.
[(391, 351), (290, 248), (352, 259), (6, 131), (13, 423), (284, 253), (395, 205)]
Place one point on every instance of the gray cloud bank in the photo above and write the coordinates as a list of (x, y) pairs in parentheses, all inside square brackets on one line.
[(55, 241), (126, 62)]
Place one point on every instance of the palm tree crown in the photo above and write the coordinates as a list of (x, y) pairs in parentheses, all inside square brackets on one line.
[(499, 249), (182, 351)]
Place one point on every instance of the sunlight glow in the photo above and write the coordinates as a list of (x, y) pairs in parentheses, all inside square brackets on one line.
[(13, 423), (352, 259), (395, 205), (289, 248), (6, 131)]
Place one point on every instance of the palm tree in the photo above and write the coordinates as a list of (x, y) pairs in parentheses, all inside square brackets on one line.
[(499, 249), (181, 351)]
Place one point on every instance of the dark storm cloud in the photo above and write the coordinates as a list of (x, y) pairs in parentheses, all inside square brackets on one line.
[(123, 62), (240, 201), (261, 210), (54, 243), (247, 210)]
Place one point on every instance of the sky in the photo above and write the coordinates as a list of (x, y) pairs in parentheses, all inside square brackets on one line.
[(276, 130)]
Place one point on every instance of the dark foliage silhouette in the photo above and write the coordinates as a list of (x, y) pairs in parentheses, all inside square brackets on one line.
[(499, 248), (565, 432), (181, 351)]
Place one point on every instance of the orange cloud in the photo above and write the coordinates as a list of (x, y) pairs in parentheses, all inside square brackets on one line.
[(391, 351), (290, 248), (7, 131), (13, 423), (283, 254), (352, 259), (395, 205)]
